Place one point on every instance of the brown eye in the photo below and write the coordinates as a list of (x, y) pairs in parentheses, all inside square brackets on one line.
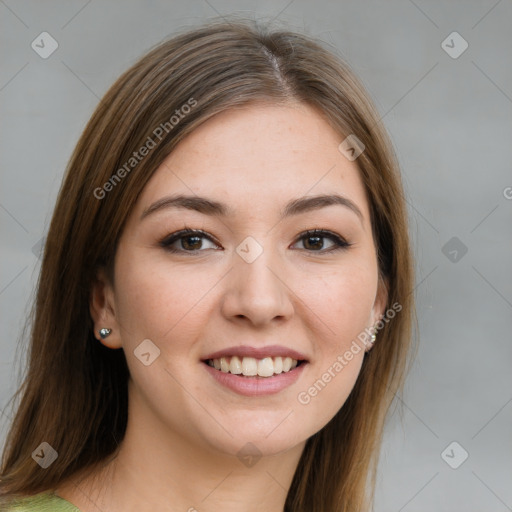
[(191, 242), (313, 241), (188, 240)]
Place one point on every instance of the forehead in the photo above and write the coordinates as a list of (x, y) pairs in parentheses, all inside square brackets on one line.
[(258, 156)]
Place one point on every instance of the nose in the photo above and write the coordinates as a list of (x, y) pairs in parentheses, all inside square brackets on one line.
[(257, 291)]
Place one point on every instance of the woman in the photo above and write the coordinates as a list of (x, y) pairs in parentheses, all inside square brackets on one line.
[(225, 302)]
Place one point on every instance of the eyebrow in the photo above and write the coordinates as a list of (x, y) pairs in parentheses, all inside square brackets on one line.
[(214, 208)]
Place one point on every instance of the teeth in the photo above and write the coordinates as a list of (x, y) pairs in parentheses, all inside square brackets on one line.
[(224, 366), (278, 365), (235, 366), (250, 367), (266, 367)]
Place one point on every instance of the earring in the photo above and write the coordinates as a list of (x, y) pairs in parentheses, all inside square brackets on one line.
[(105, 333), (373, 337)]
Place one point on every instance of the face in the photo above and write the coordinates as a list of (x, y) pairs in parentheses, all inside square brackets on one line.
[(266, 281)]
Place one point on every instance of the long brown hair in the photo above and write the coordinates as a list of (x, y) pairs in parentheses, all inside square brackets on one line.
[(74, 392)]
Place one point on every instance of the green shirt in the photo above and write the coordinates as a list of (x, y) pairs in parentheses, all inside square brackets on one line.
[(43, 502)]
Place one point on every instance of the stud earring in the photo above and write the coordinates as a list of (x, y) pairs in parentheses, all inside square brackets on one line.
[(373, 336), (105, 333)]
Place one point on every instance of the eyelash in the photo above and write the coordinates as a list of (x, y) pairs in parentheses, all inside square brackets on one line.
[(340, 243)]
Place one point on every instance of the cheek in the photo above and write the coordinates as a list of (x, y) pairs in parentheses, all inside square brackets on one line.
[(342, 301), (158, 300), (328, 389)]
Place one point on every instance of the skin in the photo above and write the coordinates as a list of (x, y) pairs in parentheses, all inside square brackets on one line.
[(184, 429)]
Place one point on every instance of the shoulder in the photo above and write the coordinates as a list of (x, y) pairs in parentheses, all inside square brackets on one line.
[(43, 502)]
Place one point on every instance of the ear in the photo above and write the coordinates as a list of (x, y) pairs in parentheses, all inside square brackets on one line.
[(381, 300), (102, 309), (379, 305)]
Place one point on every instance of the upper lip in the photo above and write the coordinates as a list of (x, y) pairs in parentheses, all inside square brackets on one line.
[(257, 352)]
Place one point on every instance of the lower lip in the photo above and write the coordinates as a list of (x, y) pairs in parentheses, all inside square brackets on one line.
[(256, 386)]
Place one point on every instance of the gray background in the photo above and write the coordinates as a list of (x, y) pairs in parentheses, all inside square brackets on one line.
[(450, 120)]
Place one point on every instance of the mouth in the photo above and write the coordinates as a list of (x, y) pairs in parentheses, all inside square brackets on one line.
[(255, 371), (247, 366)]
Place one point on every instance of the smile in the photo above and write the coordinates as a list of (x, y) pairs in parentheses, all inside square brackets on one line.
[(255, 371), (252, 367)]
